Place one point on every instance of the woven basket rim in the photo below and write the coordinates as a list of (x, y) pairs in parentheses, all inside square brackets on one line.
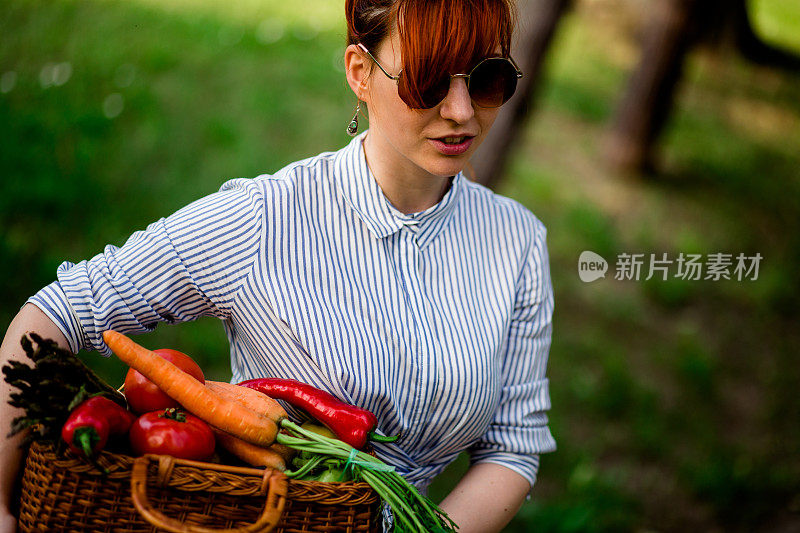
[(119, 465), (55, 482)]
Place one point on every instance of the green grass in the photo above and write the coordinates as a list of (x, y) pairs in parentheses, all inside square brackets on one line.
[(674, 402), (197, 110)]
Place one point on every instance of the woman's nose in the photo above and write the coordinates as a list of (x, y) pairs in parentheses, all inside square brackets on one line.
[(457, 105)]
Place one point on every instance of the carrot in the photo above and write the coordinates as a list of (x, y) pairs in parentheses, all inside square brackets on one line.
[(284, 451), (261, 404), (250, 453), (224, 414), (250, 398)]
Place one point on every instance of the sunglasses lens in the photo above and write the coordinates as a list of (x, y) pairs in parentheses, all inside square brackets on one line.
[(493, 82), (437, 92), (430, 96)]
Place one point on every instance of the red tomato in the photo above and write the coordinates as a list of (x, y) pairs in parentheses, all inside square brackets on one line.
[(143, 395), (172, 432)]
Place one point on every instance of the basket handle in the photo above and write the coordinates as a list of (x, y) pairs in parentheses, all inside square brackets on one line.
[(270, 516)]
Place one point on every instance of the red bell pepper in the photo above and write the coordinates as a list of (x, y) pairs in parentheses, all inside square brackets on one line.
[(89, 425)]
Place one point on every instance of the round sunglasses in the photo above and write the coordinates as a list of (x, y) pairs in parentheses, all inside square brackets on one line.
[(491, 83)]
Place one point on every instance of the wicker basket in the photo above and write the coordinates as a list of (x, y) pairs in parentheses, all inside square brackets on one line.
[(157, 492)]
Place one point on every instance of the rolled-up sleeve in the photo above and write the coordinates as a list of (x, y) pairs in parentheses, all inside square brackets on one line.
[(180, 268), (519, 432)]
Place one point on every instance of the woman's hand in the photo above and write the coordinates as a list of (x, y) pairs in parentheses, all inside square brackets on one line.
[(486, 498)]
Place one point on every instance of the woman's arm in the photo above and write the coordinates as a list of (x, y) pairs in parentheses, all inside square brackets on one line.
[(29, 319), (486, 498), (181, 267)]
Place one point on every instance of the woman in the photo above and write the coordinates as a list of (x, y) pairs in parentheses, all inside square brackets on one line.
[(377, 272)]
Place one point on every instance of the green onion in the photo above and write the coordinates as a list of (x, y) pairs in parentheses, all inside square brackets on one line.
[(413, 512), (306, 468)]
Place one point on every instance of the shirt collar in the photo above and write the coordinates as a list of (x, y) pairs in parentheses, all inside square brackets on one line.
[(361, 191)]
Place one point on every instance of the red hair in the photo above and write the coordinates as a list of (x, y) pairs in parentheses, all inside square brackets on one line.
[(436, 36)]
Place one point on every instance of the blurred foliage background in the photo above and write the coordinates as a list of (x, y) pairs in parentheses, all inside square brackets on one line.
[(675, 403)]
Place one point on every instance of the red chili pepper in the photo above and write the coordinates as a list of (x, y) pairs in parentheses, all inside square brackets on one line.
[(89, 425), (351, 424)]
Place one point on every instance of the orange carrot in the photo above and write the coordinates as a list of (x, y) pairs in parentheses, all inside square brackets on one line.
[(283, 450), (250, 398), (221, 413), (250, 453), (261, 404)]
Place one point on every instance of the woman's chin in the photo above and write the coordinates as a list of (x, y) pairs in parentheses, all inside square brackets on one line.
[(445, 169)]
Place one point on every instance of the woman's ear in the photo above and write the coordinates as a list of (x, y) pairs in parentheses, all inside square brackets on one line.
[(357, 68)]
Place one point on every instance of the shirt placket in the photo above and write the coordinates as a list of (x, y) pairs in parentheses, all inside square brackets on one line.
[(410, 256)]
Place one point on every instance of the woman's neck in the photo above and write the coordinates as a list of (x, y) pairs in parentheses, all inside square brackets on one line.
[(409, 188)]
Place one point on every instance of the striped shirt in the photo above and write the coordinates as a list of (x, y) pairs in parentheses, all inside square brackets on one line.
[(439, 322)]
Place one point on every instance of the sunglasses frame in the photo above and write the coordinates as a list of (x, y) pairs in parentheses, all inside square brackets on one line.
[(467, 76)]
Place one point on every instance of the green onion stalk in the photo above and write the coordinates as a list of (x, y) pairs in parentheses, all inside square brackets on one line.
[(413, 512)]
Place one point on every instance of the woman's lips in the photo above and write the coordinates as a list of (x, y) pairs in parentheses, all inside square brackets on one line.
[(452, 149)]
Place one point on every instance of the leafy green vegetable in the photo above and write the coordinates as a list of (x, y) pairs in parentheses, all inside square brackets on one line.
[(316, 467), (413, 512)]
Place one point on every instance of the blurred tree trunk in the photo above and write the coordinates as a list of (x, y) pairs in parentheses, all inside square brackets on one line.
[(674, 26), (648, 98), (727, 23), (537, 23)]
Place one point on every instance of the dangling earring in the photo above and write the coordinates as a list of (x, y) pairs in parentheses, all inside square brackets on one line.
[(352, 128)]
